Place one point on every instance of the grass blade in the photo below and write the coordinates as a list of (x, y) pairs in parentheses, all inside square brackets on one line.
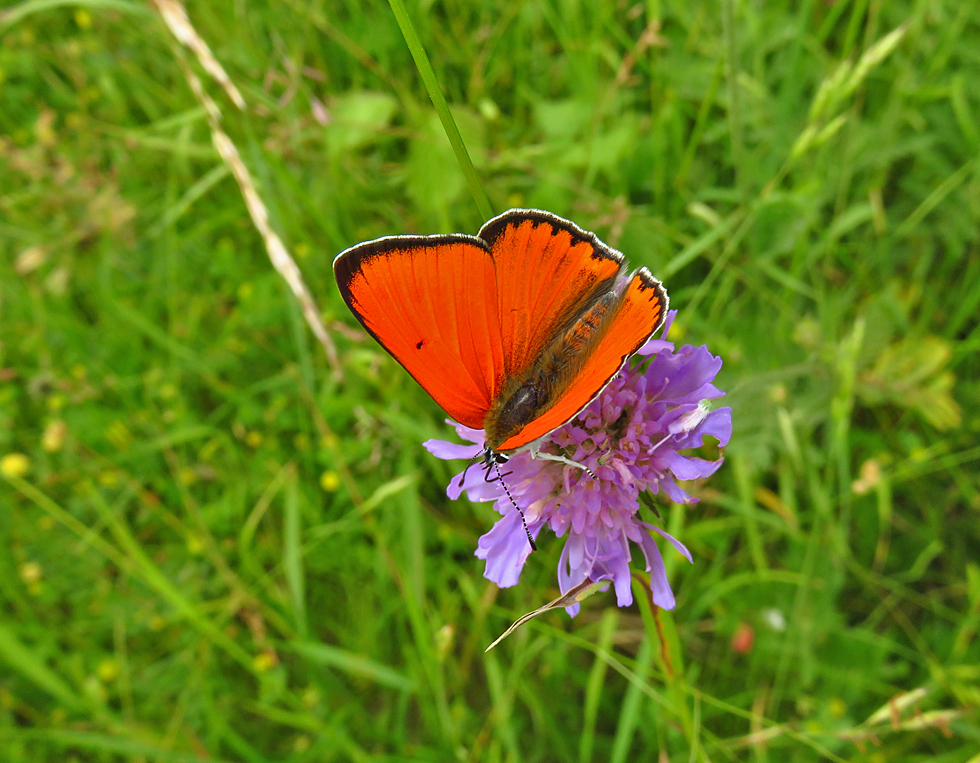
[(442, 108), (353, 664), (293, 555), (24, 661)]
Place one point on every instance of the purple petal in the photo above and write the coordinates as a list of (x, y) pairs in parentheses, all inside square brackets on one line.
[(718, 424), (623, 472), (477, 488), (706, 391), (673, 541), (568, 578), (575, 550), (619, 572), (451, 450), (659, 345), (674, 492), (663, 597), (686, 376), (506, 549), (655, 346), (685, 468), (473, 435)]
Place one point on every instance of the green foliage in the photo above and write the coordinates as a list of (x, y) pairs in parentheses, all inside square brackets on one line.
[(219, 548)]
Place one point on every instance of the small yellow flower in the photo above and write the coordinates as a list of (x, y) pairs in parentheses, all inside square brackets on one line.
[(777, 393), (265, 661), (254, 439), (302, 743), (83, 18), (108, 478), (54, 436), (30, 572), (30, 259), (310, 697), (15, 465), (444, 640), (329, 481), (869, 479), (107, 670), (45, 522), (119, 435)]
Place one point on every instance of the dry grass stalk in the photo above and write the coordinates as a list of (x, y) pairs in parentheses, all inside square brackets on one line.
[(175, 17)]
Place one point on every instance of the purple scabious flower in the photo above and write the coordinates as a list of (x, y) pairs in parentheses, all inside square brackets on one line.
[(630, 436)]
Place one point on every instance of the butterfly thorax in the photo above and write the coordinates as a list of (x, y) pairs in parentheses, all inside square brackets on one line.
[(530, 394)]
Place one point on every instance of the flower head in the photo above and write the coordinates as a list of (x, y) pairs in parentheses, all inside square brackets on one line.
[(630, 437)]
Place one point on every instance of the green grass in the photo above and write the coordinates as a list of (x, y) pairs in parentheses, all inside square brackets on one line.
[(224, 550)]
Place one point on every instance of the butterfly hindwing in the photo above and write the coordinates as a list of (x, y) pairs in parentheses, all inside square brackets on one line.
[(639, 311)]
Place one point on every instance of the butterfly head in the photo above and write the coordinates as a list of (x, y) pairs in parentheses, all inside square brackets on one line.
[(490, 459)]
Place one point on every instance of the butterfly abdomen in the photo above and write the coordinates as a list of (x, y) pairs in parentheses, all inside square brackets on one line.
[(586, 329)]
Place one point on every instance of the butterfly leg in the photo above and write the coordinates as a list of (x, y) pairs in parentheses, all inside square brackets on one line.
[(535, 453)]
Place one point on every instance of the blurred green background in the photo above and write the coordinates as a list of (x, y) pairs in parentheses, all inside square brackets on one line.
[(216, 546)]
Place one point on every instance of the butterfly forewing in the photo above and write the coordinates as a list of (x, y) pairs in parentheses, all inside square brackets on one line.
[(432, 303), (548, 272)]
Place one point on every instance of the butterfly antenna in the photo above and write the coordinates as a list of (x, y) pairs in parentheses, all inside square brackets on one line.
[(468, 465), (523, 520)]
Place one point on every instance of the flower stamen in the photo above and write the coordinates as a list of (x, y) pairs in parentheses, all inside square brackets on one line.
[(686, 423), (535, 453)]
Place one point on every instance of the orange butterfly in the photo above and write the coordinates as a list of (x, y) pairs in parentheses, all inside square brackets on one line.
[(514, 330)]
